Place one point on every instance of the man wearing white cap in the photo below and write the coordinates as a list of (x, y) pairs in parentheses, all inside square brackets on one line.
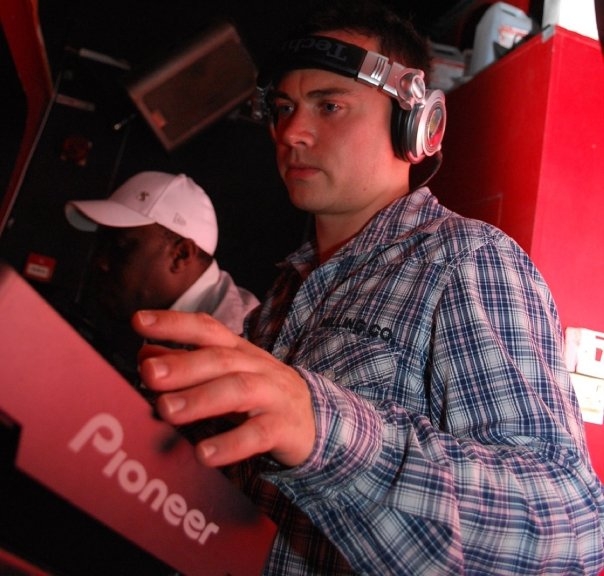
[(157, 236)]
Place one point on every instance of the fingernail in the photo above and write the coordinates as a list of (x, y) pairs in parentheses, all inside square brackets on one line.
[(174, 403), (208, 450), (158, 367), (147, 318)]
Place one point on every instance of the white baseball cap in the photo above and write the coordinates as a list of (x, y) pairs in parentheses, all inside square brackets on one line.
[(174, 201)]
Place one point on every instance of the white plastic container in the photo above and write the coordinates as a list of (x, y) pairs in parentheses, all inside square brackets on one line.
[(576, 15), (503, 26), (449, 66)]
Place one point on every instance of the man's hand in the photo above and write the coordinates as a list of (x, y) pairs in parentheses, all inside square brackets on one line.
[(224, 375)]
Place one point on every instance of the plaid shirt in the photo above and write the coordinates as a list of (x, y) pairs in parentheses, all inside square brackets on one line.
[(449, 440)]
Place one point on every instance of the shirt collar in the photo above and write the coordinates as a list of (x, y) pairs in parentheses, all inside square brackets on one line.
[(402, 216), (192, 299)]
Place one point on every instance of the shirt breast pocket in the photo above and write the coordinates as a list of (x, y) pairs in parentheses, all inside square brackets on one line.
[(364, 364)]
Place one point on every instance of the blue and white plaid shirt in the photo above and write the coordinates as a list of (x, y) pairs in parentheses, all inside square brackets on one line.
[(449, 440)]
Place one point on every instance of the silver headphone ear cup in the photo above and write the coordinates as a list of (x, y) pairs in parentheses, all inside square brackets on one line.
[(425, 127)]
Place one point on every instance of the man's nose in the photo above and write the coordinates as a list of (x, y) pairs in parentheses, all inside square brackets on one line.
[(295, 130), (102, 262)]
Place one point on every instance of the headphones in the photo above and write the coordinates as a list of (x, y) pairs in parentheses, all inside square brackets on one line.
[(418, 115)]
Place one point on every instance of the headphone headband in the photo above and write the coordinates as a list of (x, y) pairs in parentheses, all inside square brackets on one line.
[(406, 85), (319, 52)]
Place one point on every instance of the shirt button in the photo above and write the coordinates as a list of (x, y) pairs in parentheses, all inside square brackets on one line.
[(281, 352), (330, 374)]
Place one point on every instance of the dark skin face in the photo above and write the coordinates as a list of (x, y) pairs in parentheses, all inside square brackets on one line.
[(142, 267)]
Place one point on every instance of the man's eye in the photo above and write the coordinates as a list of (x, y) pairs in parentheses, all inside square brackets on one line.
[(115, 246), (281, 109), (120, 244), (330, 107)]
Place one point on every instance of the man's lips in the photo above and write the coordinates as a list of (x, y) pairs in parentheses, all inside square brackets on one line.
[(300, 171)]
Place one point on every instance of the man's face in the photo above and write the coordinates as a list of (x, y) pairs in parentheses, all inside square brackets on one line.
[(333, 145), (132, 270)]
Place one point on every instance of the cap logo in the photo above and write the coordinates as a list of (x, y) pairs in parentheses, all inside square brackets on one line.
[(178, 219), (142, 196)]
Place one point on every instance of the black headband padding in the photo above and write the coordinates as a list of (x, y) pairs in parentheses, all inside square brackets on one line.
[(319, 52)]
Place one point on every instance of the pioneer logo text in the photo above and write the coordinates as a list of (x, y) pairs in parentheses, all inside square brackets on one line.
[(105, 434)]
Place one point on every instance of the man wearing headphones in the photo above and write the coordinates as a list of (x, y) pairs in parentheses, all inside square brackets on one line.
[(403, 402)]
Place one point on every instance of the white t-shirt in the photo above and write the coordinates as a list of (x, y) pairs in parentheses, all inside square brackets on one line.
[(216, 293)]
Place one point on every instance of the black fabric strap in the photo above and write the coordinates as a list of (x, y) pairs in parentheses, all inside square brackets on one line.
[(317, 52)]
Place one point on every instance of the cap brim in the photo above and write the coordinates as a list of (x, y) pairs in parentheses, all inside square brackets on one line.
[(87, 215)]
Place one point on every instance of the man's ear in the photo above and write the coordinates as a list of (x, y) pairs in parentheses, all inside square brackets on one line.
[(182, 252)]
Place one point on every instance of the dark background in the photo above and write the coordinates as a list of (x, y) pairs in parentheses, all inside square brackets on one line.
[(232, 159)]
